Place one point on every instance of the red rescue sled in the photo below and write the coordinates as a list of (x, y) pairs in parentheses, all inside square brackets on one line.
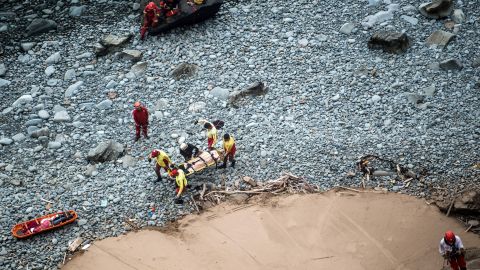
[(43, 224)]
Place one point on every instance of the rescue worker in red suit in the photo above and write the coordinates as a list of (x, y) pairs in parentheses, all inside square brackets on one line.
[(140, 116), (169, 7), (150, 18), (451, 248)]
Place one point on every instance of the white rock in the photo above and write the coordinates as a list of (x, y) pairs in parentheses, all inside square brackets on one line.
[(322, 38), (54, 58), (374, 2), (347, 28), (174, 135), (378, 17), (6, 141), (22, 100), (19, 137), (61, 116), (336, 97), (27, 46), (104, 104), (4, 83), (76, 11), (136, 6), (54, 145), (458, 16), (303, 42), (409, 19), (288, 20), (139, 69), (49, 71), (43, 114), (220, 93), (72, 89)]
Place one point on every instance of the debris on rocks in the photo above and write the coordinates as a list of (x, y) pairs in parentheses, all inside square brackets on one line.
[(73, 245), (255, 89), (392, 42), (437, 9), (106, 151), (440, 38), (184, 70)]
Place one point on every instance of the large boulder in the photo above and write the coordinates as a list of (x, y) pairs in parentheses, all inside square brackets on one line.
[(39, 26), (392, 42), (436, 9), (106, 151), (440, 38), (111, 43), (255, 89), (189, 14)]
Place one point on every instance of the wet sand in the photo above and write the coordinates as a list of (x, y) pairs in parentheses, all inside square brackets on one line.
[(334, 230)]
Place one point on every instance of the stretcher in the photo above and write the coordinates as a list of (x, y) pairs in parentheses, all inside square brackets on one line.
[(203, 160)]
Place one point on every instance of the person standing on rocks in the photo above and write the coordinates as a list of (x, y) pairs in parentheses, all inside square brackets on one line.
[(188, 151), (212, 133), (451, 248), (229, 149), (140, 116), (180, 182), (162, 161), (150, 18)]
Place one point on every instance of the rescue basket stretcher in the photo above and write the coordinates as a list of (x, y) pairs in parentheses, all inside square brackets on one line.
[(204, 160)]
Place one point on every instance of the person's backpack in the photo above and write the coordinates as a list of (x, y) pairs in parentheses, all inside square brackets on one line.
[(218, 124)]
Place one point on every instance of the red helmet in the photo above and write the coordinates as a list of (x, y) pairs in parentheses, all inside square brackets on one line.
[(174, 172), (155, 153), (449, 237)]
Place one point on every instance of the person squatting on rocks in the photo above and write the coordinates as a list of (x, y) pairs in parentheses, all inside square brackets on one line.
[(451, 248), (211, 133), (162, 161), (169, 7), (188, 151), (180, 182), (150, 18), (140, 116), (230, 149)]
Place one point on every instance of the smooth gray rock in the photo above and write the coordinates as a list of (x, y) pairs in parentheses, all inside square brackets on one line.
[(43, 132), (132, 55), (409, 19), (111, 84), (6, 141), (139, 68), (451, 64), (61, 116), (77, 11), (33, 122), (22, 100), (110, 43), (3, 69), (347, 28), (476, 62), (19, 137), (26, 46), (106, 151), (54, 58), (49, 70), (106, 104), (69, 75), (43, 114), (4, 83), (38, 26), (72, 89), (54, 145)]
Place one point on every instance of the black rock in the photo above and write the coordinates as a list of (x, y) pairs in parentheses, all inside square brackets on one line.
[(189, 14), (451, 64), (39, 26), (392, 42), (436, 9)]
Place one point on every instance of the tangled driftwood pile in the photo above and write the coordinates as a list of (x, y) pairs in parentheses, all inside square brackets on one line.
[(285, 184)]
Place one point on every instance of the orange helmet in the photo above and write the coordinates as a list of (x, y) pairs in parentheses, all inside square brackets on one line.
[(449, 237), (136, 104), (155, 153)]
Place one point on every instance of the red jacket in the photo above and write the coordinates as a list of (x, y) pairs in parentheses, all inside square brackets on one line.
[(140, 116)]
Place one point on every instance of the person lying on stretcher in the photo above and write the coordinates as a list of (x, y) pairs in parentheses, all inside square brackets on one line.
[(189, 151)]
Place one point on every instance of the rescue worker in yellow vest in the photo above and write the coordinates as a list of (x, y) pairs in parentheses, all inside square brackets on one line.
[(180, 182), (229, 149), (211, 133), (162, 161)]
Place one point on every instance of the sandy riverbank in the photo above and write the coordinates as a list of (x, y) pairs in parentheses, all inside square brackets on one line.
[(335, 230)]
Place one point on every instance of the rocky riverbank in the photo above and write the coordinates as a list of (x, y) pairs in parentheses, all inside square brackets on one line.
[(330, 100)]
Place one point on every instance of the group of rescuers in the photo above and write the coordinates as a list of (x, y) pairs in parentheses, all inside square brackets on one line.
[(187, 150), (166, 9)]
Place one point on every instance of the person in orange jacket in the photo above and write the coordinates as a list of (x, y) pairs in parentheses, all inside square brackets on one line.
[(229, 149), (162, 161), (150, 18)]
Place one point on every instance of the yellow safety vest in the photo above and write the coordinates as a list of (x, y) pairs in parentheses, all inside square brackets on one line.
[(212, 134), (181, 181), (227, 145), (161, 157)]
